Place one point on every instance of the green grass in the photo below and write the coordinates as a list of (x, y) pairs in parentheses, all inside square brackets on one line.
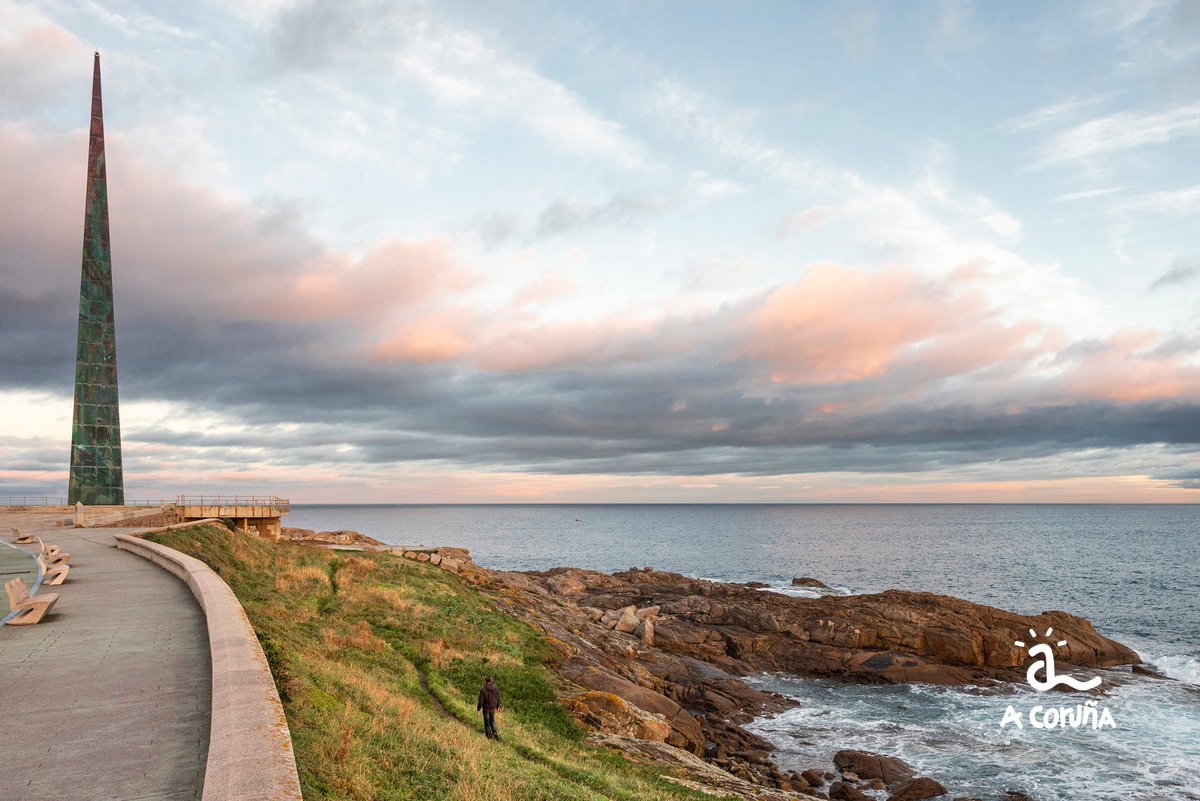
[(348, 638)]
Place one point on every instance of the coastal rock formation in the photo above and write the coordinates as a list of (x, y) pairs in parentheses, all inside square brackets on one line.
[(452, 560), (652, 662), (306, 536), (865, 765), (889, 637), (611, 714), (917, 790)]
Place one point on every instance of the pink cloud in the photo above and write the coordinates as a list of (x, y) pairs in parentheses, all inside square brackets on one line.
[(841, 324), (197, 252), (394, 274), (1128, 366), (544, 289), (37, 58)]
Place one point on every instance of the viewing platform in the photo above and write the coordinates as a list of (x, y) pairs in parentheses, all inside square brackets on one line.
[(263, 513)]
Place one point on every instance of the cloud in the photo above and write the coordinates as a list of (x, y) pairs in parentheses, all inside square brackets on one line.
[(1177, 274), (457, 66), (1086, 194), (1053, 113), (1118, 133), (544, 290), (38, 58), (573, 215), (564, 216), (806, 220), (818, 330), (323, 362), (1170, 201), (686, 113)]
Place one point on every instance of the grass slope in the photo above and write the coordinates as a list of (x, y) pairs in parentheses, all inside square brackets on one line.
[(378, 661)]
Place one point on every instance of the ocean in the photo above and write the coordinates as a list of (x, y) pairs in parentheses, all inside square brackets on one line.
[(1131, 570)]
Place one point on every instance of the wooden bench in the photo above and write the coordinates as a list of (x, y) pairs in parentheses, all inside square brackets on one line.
[(31, 609), (20, 537)]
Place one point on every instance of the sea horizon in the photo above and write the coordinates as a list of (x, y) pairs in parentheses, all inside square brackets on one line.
[(756, 503)]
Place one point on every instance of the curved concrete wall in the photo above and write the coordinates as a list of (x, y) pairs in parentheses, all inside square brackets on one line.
[(250, 754)]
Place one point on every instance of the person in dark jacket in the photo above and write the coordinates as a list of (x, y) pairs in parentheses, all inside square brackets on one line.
[(489, 702)]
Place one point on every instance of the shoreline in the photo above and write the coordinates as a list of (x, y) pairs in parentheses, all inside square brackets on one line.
[(539, 596), (651, 661)]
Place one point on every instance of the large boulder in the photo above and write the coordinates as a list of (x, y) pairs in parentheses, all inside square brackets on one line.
[(917, 790), (566, 584), (841, 791), (645, 631), (460, 554), (873, 766), (647, 612), (611, 714), (813, 778), (628, 622), (685, 729)]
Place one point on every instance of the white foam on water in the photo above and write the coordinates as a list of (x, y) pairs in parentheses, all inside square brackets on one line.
[(1179, 667), (954, 735), (806, 592)]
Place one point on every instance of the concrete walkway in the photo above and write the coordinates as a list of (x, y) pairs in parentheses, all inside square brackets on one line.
[(109, 697)]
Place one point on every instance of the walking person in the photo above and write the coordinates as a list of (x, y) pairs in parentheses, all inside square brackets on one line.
[(489, 702)]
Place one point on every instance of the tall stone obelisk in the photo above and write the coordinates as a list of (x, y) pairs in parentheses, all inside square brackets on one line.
[(96, 476)]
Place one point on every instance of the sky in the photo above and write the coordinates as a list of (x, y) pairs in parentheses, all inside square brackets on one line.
[(720, 251)]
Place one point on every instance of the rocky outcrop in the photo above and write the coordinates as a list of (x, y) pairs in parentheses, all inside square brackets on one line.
[(609, 713), (889, 637), (306, 536), (452, 560), (865, 765), (651, 663), (917, 790)]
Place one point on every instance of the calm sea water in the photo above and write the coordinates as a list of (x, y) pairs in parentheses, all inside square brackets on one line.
[(1132, 570)]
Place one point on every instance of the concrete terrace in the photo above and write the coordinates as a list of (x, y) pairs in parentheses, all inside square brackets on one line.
[(109, 697)]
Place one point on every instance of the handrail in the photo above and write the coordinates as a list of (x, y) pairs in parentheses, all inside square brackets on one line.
[(49, 500)]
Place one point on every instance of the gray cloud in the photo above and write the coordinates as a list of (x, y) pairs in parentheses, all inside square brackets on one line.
[(677, 396), (564, 216), (570, 215), (1180, 272)]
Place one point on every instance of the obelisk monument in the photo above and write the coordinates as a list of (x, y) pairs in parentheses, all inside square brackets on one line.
[(96, 476)]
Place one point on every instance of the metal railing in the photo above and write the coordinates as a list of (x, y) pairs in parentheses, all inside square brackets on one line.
[(272, 501), (32, 500)]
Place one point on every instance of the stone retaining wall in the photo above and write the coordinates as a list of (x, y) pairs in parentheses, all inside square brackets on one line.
[(250, 754)]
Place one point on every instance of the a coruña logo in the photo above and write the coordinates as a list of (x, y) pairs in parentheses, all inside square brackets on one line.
[(1085, 715)]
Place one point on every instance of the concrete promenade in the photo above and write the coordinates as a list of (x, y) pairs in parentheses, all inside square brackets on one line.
[(109, 697)]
